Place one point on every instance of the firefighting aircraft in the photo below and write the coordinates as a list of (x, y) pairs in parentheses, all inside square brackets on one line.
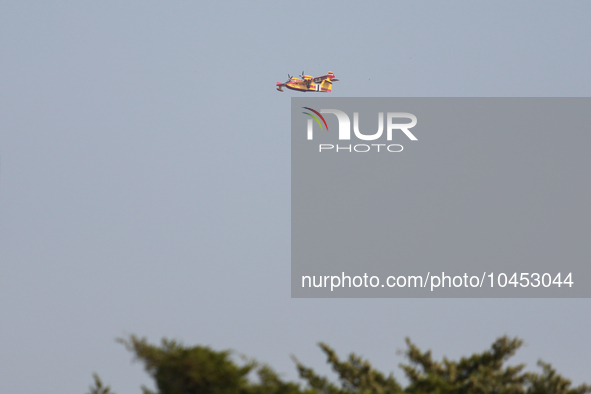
[(308, 83)]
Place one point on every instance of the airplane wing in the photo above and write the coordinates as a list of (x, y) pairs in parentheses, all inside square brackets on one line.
[(329, 75)]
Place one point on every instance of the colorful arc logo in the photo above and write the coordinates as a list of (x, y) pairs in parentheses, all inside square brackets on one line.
[(315, 118)]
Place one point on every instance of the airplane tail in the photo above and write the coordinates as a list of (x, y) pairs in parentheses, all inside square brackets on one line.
[(330, 75), (326, 86)]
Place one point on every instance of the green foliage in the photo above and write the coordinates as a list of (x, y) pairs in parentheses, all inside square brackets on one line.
[(480, 373), (98, 387), (355, 376), (177, 369), (551, 382)]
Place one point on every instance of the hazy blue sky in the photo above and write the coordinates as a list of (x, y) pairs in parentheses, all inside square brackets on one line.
[(138, 140)]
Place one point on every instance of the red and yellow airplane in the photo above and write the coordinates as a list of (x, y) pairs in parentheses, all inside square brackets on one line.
[(308, 83)]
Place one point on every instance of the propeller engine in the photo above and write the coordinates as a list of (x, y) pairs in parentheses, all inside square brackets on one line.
[(308, 82)]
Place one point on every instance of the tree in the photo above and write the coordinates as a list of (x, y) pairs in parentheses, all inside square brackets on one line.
[(177, 369), (98, 387)]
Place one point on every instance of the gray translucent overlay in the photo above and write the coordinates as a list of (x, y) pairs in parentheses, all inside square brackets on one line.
[(490, 186)]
